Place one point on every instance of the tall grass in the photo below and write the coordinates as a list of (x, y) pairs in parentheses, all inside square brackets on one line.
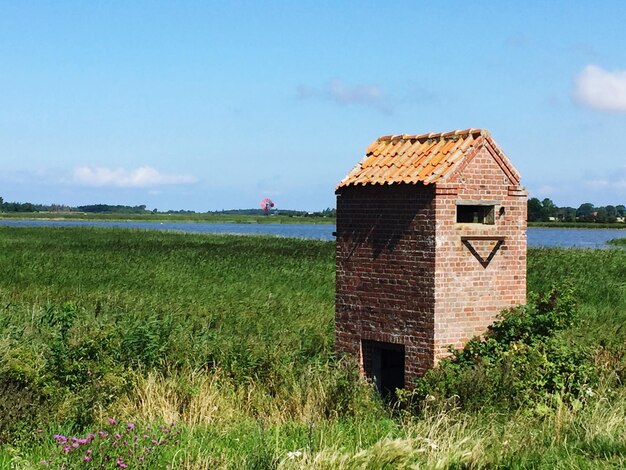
[(232, 338)]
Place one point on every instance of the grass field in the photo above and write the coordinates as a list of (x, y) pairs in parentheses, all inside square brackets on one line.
[(231, 339)]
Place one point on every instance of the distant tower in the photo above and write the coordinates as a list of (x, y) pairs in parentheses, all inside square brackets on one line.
[(431, 246)]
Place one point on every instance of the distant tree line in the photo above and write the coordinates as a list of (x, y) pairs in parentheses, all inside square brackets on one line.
[(30, 207), (546, 210), (141, 209), (104, 208)]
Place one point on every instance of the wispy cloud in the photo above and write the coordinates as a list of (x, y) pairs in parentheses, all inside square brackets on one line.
[(613, 181), (142, 177), (517, 40), (346, 94), (600, 89), (343, 94), (607, 184)]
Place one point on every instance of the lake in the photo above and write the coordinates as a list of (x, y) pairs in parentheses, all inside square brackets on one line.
[(548, 237)]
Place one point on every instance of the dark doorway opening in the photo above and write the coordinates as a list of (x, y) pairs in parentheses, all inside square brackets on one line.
[(384, 364)]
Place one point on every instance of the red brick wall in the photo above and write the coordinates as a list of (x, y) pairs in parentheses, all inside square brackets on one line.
[(469, 295), (385, 270)]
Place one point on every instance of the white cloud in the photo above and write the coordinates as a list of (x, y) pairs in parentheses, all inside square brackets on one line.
[(340, 93), (600, 89), (142, 177)]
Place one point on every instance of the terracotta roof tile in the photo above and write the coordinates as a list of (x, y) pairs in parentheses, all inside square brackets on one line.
[(424, 158)]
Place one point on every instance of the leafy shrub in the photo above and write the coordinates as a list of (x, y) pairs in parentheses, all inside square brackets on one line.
[(23, 405), (82, 362), (522, 360)]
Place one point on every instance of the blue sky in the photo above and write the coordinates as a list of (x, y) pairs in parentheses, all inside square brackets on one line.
[(215, 105)]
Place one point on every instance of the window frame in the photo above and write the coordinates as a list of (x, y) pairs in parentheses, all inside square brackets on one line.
[(482, 213)]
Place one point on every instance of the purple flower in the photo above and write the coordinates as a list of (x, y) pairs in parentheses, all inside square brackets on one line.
[(75, 445), (66, 449), (117, 435), (120, 463), (86, 458), (112, 422), (61, 438), (131, 426)]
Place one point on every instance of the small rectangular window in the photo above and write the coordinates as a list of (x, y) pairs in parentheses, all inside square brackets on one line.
[(475, 214)]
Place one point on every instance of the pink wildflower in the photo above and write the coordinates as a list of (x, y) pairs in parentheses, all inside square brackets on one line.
[(86, 458), (112, 422), (131, 426)]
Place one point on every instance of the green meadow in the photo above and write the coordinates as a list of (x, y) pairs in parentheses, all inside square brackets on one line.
[(140, 349)]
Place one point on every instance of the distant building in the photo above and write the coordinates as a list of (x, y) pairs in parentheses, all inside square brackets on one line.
[(431, 246)]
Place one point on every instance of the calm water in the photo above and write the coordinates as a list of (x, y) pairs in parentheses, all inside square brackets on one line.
[(581, 238)]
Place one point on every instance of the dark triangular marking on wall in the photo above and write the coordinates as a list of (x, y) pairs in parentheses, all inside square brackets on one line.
[(483, 261)]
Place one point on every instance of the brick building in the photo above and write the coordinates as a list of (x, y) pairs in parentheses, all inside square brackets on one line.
[(431, 246)]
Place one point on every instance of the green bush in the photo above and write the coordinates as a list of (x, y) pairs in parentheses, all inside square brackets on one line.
[(24, 404), (523, 360)]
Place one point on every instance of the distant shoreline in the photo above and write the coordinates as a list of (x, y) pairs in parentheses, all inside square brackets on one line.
[(579, 225), (162, 217), (246, 219)]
